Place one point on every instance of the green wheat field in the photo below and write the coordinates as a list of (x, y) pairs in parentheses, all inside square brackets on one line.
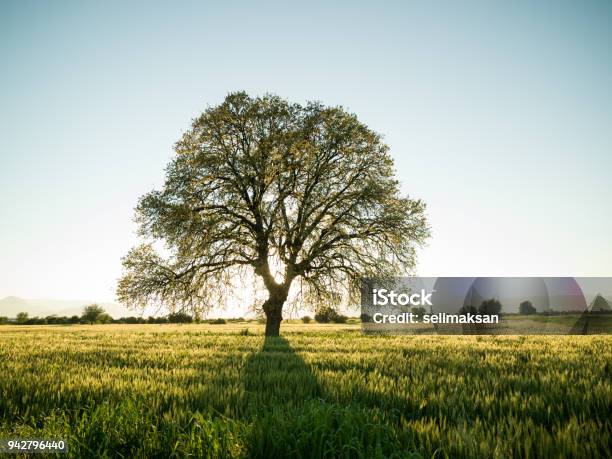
[(317, 391)]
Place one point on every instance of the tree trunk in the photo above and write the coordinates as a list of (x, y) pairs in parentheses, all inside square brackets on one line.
[(273, 307)]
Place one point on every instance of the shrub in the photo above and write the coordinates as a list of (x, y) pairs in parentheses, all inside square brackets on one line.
[(339, 319), (36, 321), (306, 319), (179, 318), (22, 318), (57, 320), (326, 315), (526, 307), (219, 321), (490, 307), (157, 320), (92, 314), (130, 320), (104, 318)]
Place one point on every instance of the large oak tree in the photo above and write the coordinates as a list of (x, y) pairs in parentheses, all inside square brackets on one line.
[(297, 195)]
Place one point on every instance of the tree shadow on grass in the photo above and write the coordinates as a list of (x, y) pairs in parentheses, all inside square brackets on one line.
[(277, 376), (290, 414)]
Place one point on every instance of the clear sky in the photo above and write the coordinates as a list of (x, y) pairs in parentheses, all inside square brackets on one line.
[(498, 115)]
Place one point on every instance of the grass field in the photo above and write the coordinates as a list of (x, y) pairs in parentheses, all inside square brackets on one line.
[(318, 391)]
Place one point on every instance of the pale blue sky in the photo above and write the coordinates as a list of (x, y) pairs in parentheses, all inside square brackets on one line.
[(498, 115)]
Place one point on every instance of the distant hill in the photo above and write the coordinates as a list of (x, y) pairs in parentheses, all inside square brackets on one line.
[(11, 305)]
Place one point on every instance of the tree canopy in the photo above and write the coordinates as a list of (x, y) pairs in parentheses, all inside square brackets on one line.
[(294, 195), (93, 313)]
